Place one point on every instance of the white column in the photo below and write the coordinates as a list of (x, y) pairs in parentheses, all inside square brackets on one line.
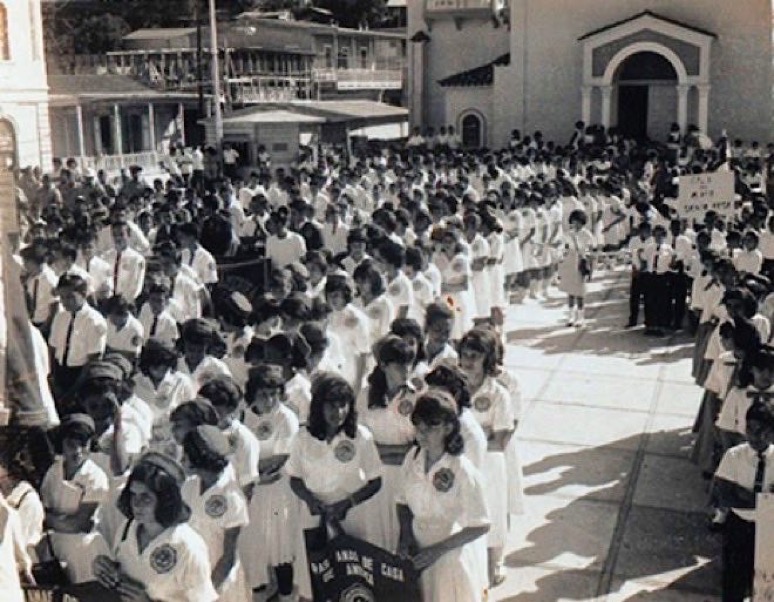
[(152, 126), (682, 106), (98, 150), (79, 119), (118, 141), (607, 96), (703, 112), (586, 92), (181, 117)]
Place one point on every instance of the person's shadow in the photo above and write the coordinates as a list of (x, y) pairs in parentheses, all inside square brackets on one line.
[(652, 539)]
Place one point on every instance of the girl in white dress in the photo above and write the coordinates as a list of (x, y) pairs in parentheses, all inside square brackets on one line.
[(218, 508), (493, 231), (71, 490), (441, 506), (384, 406), (157, 555), (410, 331), (492, 408), (456, 285), (268, 544), (334, 467), (479, 256), (575, 269), (373, 299)]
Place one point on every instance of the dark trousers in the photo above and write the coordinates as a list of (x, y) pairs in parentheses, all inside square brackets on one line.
[(678, 287), (64, 381), (658, 301), (738, 558), (636, 294)]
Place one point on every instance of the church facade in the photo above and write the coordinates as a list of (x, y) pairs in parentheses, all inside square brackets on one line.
[(24, 120), (488, 67)]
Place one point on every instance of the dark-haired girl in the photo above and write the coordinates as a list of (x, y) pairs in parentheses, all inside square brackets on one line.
[(71, 491), (350, 326), (218, 508), (410, 331), (333, 467), (157, 555), (384, 406), (441, 506), (273, 508), (373, 300), (493, 409), (575, 268), (456, 287)]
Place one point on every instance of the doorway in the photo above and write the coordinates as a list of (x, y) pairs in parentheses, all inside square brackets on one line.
[(633, 111), (472, 131)]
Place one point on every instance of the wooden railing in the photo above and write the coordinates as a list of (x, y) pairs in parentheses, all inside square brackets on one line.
[(112, 164)]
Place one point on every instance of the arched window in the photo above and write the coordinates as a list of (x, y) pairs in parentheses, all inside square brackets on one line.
[(472, 131), (5, 47), (7, 145)]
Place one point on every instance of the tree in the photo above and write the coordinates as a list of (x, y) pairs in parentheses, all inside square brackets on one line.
[(355, 13), (100, 34)]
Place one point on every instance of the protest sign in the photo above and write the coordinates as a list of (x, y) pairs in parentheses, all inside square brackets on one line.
[(346, 569), (704, 192)]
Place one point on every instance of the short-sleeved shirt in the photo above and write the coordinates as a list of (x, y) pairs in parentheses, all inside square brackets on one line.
[(88, 485), (245, 450), (739, 465), (166, 325), (127, 272), (128, 339), (174, 567), (492, 406), (88, 336), (284, 251), (202, 262), (274, 430), (334, 471), (40, 292)]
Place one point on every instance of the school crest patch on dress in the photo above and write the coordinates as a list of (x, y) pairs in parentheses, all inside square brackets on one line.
[(443, 480), (458, 267), (216, 506), (405, 406), (136, 340), (374, 313), (350, 321), (163, 559), (357, 593), (482, 403), (394, 289), (344, 451), (416, 285), (264, 430)]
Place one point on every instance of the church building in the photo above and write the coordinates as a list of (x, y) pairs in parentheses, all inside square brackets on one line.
[(487, 67), (24, 121)]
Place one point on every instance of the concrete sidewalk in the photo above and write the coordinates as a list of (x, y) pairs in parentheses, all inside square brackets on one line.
[(615, 510)]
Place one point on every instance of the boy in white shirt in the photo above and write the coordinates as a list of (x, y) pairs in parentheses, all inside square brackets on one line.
[(124, 331)]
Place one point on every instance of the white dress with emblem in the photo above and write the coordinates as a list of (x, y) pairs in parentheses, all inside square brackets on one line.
[(268, 541), (481, 284), (462, 303), (390, 425), (492, 408), (515, 473), (174, 567), (444, 500), (352, 328), (223, 506), (332, 471)]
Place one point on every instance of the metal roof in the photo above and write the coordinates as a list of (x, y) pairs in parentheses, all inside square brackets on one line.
[(154, 33)]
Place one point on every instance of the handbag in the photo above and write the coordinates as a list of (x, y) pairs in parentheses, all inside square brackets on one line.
[(50, 572)]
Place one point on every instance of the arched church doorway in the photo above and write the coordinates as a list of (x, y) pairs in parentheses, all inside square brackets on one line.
[(8, 157), (646, 85), (472, 127)]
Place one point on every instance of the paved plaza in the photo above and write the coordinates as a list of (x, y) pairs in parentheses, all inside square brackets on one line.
[(615, 510)]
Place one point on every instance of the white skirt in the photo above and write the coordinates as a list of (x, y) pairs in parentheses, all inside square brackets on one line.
[(482, 292), (496, 490), (267, 541), (513, 261), (497, 285), (515, 477), (464, 309), (383, 528)]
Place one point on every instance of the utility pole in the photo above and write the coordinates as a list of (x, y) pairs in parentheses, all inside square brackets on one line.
[(199, 71), (218, 113)]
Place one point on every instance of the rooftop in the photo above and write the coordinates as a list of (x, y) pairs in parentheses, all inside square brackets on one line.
[(478, 76), (648, 13), (67, 89)]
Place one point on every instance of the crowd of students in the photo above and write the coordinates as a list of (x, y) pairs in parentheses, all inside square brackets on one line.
[(228, 361)]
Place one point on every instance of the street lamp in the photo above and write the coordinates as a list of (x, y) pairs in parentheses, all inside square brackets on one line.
[(216, 77)]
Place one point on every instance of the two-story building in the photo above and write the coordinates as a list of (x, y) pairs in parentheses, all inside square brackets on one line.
[(638, 65), (24, 120)]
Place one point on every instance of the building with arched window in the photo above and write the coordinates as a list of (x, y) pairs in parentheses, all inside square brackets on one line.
[(490, 66), (24, 120)]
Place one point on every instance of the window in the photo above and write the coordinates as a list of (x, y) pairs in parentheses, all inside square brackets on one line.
[(5, 47), (364, 57), (328, 52), (343, 58), (7, 145)]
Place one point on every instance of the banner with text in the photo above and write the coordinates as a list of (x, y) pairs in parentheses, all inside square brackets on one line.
[(347, 569), (704, 192), (763, 587)]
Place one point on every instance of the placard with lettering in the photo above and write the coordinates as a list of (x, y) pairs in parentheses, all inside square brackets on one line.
[(763, 586), (351, 570), (704, 192)]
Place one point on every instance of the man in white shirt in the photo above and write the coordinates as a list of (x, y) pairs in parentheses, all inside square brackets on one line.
[(230, 159), (659, 257), (283, 247), (638, 286), (39, 286), (127, 265), (195, 256)]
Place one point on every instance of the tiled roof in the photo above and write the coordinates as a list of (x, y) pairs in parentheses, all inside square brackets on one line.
[(160, 33), (67, 89), (479, 76)]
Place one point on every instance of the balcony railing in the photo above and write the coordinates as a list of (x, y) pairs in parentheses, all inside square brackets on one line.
[(360, 79), (462, 8)]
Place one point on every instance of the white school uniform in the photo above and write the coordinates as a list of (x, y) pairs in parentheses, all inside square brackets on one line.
[(209, 368), (166, 325), (283, 251), (733, 412), (40, 291), (480, 283), (245, 452), (443, 501), (185, 295), (749, 262), (174, 389), (298, 396), (202, 262), (128, 339), (514, 232), (100, 274), (88, 486), (26, 502), (462, 303), (88, 336), (515, 473), (127, 271), (174, 567), (221, 507), (474, 437), (332, 471), (739, 465), (390, 425), (380, 313), (400, 292), (493, 409), (423, 296), (496, 270), (269, 539), (353, 330)]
